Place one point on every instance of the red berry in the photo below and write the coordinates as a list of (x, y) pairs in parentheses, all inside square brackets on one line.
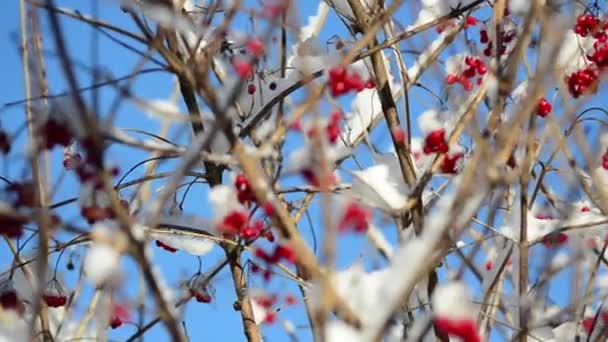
[(451, 79), (270, 318), (435, 142), (286, 253), (467, 85), (356, 217), (544, 108), (470, 21), (251, 89), (291, 300), (448, 165), (489, 265), (337, 72), (243, 68), (398, 135), (268, 208), (115, 322), (256, 47), (466, 329), (269, 236), (483, 36)]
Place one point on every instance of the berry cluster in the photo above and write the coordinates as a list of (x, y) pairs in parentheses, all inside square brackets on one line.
[(201, 295), (582, 81), (97, 207), (332, 133), (355, 217), (449, 165), (238, 223), (435, 142), (588, 24), (474, 67), (341, 81), (554, 240), (9, 300), (281, 252), (54, 300), (55, 132), (268, 301), (333, 126), (12, 226), (585, 81), (246, 196), (506, 38)]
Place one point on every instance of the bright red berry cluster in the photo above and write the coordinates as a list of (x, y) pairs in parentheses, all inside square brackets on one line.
[(332, 129), (238, 223), (585, 81), (54, 300), (341, 81), (589, 24), (449, 165), (582, 81), (356, 217), (475, 67), (435, 142), (281, 252), (600, 53), (245, 193), (246, 196)]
